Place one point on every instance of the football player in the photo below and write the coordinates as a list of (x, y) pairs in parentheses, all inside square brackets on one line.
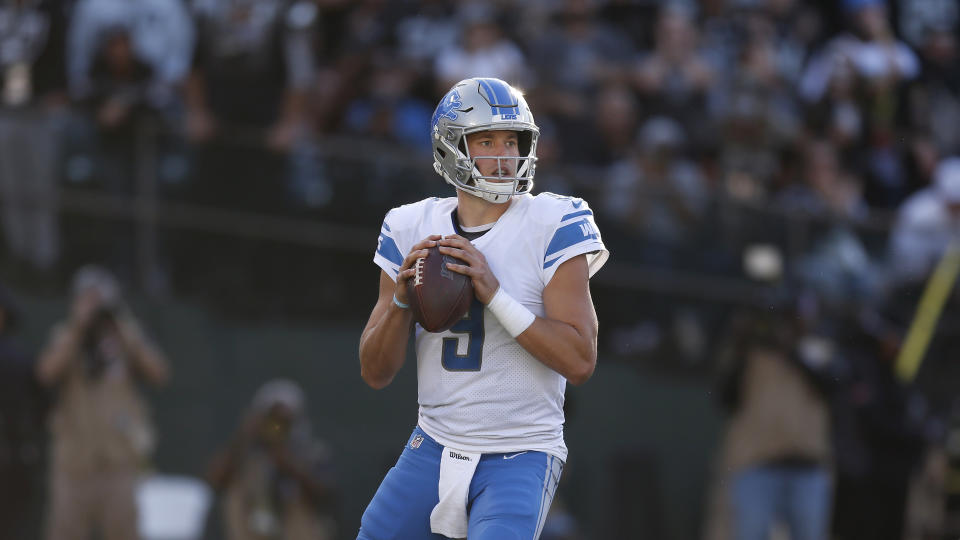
[(488, 450)]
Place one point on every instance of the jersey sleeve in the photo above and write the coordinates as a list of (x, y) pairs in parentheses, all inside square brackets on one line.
[(388, 256), (574, 233)]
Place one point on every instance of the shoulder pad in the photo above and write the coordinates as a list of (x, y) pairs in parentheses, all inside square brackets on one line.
[(551, 208), (409, 215)]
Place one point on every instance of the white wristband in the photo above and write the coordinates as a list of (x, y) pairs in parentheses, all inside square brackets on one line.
[(511, 314)]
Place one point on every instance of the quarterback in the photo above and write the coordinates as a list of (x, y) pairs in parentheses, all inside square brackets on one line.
[(485, 457)]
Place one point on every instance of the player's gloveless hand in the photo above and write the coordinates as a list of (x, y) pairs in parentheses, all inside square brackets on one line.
[(485, 284), (406, 269)]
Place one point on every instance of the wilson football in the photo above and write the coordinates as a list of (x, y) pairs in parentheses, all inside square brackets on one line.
[(438, 296)]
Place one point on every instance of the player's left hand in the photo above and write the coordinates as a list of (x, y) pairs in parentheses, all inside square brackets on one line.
[(485, 284)]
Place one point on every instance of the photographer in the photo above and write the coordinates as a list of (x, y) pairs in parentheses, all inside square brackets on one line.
[(275, 476), (101, 433), (776, 450)]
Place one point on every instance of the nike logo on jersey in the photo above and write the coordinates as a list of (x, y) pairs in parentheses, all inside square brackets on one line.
[(515, 455)]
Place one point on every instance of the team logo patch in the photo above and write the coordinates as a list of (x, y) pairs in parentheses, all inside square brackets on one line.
[(416, 442), (447, 107)]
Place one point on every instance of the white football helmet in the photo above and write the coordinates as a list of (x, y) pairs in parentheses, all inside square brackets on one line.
[(482, 104)]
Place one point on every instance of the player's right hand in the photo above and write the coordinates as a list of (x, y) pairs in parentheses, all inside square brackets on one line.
[(418, 250)]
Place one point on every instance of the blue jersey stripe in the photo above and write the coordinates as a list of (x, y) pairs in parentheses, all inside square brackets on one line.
[(385, 226), (573, 215), (570, 235), (388, 250)]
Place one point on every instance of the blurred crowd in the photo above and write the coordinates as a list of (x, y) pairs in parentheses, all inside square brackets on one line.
[(654, 110), (702, 132)]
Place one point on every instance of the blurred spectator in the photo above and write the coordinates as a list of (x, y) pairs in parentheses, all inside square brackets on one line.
[(101, 434), (757, 114), (871, 47), (388, 108), (656, 192), (427, 32), (882, 427), (573, 60), (881, 424), (837, 114), (882, 65), (33, 89), (161, 34), (841, 270), (917, 18), (21, 433), (825, 188), (927, 223), (246, 115), (350, 36), (764, 74), (119, 96), (776, 451), (609, 135), (120, 83), (749, 147), (674, 78), (935, 98), (482, 51), (795, 25), (246, 97), (127, 64), (116, 95), (276, 476)]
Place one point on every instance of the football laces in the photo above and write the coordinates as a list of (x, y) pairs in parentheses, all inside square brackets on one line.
[(418, 272)]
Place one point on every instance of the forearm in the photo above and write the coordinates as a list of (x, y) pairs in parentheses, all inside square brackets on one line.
[(383, 345), (561, 347), (151, 364), (224, 465), (145, 357), (57, 356)]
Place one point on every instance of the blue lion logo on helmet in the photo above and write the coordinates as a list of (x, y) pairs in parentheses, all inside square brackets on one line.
[(446, 108)]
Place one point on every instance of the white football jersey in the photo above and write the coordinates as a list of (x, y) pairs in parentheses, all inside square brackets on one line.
[(479, 390)]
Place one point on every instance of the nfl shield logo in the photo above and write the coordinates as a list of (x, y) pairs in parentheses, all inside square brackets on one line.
[(415, 443)]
